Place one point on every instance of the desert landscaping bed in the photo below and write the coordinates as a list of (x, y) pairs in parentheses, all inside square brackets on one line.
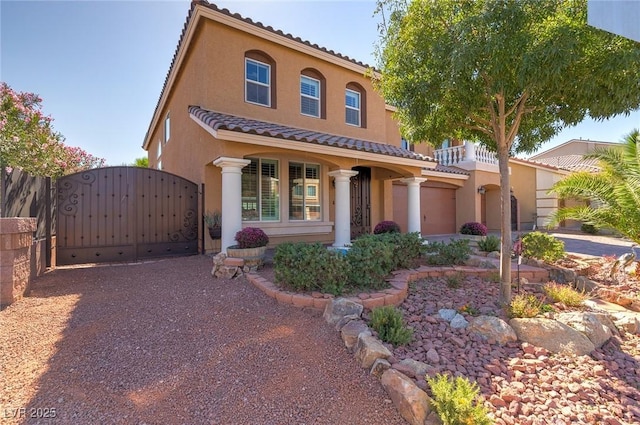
[(521, 383)]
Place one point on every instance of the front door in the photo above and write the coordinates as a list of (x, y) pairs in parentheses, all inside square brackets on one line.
[(361, 202)]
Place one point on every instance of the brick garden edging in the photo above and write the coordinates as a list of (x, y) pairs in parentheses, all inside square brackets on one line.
[(392, 296)]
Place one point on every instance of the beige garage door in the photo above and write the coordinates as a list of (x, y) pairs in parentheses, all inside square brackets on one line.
[(438, 207)]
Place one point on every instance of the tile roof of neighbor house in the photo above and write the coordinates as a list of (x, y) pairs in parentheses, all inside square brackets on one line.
[(220, 121), (571, 162)]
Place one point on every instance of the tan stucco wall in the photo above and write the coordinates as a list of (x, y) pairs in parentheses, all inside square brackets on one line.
[(523, 183)]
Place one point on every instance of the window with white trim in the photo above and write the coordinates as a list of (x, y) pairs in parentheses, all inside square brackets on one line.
[(304, 192), (167, 128), (309, 96), (257, 82), (159, 155), (261, 190), (352, 105)]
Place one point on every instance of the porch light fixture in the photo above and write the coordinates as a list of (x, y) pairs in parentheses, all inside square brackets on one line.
[(482, 190)]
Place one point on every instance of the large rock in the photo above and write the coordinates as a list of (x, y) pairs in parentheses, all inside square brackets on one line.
[(589, 324), (419, 369), (351, 331), (491, 327), (627, 322), (412, 403), (340, 307), (368, 349), (552, 335), (459, 322)]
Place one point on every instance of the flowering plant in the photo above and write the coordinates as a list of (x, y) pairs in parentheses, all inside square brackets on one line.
[(474, 228), (251, 237), (386, 226)]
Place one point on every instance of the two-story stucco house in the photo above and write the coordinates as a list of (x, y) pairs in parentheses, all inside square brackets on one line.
[(292, 138)]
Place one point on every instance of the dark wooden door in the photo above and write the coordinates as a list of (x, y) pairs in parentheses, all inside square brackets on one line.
[(514, 213), (125, 214), (361, 202)]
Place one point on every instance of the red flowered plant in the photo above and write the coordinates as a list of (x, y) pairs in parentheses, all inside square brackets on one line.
[(386, 226), (251, 237), (474, 228)]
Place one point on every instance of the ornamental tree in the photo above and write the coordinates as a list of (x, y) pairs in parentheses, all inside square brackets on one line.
[(28, 141), (507, 74)]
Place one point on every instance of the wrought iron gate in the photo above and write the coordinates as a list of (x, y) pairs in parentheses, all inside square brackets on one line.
[(361, 202), (125, 214)]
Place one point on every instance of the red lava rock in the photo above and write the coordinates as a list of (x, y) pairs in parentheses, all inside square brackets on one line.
[(497, 401)]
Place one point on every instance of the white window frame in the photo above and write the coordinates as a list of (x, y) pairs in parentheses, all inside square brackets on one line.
[(304, 95), (248, 81), (167, 128), (259, 199), (304, 193), (358, 109)]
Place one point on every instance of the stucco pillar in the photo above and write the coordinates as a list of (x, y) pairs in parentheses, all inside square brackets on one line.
[(343, 206), (231, 198), (413, 203)]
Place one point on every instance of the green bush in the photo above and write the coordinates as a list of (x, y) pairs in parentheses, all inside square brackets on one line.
[(387, 322), (489, 244), (525, 306), (448, 254), (564, 294), (456, 401), (371, 259), (589, 228), (407, 247), (542, 247), (310, 267)]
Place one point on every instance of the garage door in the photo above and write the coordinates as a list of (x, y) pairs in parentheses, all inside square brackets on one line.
[(438, 207)]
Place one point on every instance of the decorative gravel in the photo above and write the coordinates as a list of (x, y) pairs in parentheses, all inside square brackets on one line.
[(522, 384), (165, 343)]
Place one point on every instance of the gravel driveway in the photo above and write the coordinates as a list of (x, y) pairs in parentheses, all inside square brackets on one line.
[(165, 343)]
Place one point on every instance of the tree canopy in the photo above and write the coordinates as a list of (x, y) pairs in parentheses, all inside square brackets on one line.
[(508, 74), (143, 161), (614, 192), (28, 141)]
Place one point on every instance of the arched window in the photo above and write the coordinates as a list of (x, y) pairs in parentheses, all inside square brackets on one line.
[(260, 79), (355, 105), (312, 93)]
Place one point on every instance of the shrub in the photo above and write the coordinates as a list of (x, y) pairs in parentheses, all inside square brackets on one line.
[(564, 294), (251, 237), (525, 306), (542, 247), (371, 258), (448, 254), (310, 267), (387, 322), (589, 228), (407, 247), (474, 228), (455, 280), (489, 244), (386, 226), (456, 401)]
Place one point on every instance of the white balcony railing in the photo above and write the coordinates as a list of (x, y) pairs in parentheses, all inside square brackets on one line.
[(469, 152)]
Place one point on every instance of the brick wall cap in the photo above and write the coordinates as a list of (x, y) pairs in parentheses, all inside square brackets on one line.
[(17, 225)]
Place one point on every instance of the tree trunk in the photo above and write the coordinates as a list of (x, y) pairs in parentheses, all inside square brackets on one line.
[(505, 226)]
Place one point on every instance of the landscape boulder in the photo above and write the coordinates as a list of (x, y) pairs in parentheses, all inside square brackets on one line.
[(491, 327), (368, 349), (351, 331), (589, 324), (412, 403), (552, 335), (339, 308)]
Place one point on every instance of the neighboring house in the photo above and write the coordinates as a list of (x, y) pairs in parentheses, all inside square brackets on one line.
[(292, 138)]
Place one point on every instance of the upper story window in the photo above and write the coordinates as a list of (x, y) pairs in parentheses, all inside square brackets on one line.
[(304, 191), (309, 96), (352, 104), (258, 82), (404, 144), (261, 190), (167, 128), (159, 155)]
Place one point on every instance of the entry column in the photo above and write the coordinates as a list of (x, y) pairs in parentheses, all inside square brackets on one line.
[(413, 203), (343, 206), (231, 198)]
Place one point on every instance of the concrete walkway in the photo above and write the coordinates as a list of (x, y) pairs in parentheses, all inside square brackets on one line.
[(574, 242)]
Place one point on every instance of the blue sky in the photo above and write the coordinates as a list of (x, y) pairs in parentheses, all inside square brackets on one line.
[(100, 65)]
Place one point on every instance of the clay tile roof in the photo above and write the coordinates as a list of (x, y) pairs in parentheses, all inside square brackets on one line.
[(220, 121), (572, 163), (452, 170)]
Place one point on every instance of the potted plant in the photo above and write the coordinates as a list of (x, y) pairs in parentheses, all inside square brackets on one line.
[(213, 220), (252, 245)]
